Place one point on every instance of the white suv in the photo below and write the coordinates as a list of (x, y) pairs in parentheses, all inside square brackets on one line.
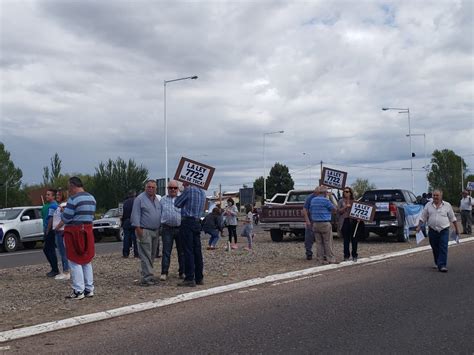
[(20, 225)]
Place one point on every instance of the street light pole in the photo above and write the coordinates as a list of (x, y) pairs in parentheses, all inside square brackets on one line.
[(425, 167), (164, 118), (407, 111), (264, 162), (309, 161)]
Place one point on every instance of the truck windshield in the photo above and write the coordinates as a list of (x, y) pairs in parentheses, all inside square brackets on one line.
[(9, 214), (383, 196)]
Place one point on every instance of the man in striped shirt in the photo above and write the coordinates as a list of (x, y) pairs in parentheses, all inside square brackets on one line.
[(79, 238)]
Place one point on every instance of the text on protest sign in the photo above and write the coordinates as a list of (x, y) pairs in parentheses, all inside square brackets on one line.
[(362, 211), (334, 178), (195, 173)]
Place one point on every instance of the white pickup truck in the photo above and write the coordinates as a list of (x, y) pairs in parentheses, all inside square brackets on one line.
[(20, 225)]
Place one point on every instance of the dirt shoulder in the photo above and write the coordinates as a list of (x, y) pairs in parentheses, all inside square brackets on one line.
[(29, 298)]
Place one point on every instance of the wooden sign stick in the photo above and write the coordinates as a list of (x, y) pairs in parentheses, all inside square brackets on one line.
[(355, 230)]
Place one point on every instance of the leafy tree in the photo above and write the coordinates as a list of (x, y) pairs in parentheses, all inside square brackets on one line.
[(279, 180), (10, 181), (445, 173), (50, 177), (113, 179), (258, 187), (362, 185)]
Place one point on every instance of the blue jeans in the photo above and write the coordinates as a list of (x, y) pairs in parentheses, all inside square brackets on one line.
[(49, 250), (129, 238), (439, 245), (62, 250), (168, 235), (214, 237), (190, 237), (82, 277)]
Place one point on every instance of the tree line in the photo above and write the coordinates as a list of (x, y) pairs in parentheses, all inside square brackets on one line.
[(114, 178)]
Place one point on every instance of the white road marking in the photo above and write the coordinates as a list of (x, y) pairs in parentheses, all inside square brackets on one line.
[(117, 312), (294, 280)]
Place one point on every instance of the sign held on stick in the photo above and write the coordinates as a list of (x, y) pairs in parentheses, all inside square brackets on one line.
[(194, 173)]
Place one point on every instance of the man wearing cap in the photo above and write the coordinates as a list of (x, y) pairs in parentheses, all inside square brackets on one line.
[(321, 209), (79, 238), (466, 212), (146, 218)]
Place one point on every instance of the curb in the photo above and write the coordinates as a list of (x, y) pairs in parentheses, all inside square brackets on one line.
[(117, 312)]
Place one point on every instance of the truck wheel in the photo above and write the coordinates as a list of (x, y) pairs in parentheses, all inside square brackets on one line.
[(10, 242), (401, 235), (276, 235), (119, 235), (29, 245)]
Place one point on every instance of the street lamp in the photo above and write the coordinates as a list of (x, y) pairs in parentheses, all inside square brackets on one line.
[(407, 111), (309, 162), (166, 125), (425, 167), (264, 168)]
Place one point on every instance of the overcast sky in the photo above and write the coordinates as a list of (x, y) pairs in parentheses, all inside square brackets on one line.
[(85, 79)]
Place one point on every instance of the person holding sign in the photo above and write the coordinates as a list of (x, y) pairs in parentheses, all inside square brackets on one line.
[(321, 209), (191, 202), (347, 224), (438, 215)]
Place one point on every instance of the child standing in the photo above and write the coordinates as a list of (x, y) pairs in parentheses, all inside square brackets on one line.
[(248, 227)]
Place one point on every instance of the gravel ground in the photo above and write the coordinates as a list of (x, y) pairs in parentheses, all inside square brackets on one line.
[(27, 297)]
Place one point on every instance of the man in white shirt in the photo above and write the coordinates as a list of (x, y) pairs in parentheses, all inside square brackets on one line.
[(438, 215), (466, 209)]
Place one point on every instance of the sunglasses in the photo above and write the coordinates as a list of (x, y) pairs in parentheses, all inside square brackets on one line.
[(172, 188), (347, 191)]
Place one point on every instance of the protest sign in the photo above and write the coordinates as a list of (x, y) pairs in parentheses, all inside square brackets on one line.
[(333, 178), (362, 211), (470, 186), (194, 173)]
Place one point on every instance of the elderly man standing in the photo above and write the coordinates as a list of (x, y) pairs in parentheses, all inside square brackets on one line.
[(146, 218), (438, 215), (191, 202), (321, 209), (466, 212), (170, 222), (79, 238)]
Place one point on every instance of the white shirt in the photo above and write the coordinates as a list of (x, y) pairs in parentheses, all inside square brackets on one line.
[(466, 203), (57, 219), (438, 218)]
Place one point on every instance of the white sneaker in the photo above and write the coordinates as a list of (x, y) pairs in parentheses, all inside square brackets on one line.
[(163, 277), (63, 276)]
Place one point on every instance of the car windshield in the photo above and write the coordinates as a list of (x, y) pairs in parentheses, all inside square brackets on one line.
[(114, 212), (383, 196), (9, 214)]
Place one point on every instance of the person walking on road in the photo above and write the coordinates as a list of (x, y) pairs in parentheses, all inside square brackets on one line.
[(321, 210), (466, 212), (191, 202), (170, 223), (49, 245), (347, 224), (79, 238), (438, 215), (146, 218), (129, 238)]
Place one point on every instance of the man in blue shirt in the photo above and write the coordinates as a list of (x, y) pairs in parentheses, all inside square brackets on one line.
[(49, 245), (191, 202), (321, 209), (146, 218)]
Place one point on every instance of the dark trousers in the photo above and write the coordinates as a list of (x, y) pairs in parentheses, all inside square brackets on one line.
[(129, 239), (168, 235), (49, 250), (232, 233), (190, 237), (439, 245), (347, 231)]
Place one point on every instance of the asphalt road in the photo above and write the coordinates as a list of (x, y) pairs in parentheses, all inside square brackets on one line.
[(398, 305), (36, 256)]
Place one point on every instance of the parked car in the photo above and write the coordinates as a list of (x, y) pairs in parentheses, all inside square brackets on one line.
[(20, 225), (287, 218), (108, 225), (389, 213)]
